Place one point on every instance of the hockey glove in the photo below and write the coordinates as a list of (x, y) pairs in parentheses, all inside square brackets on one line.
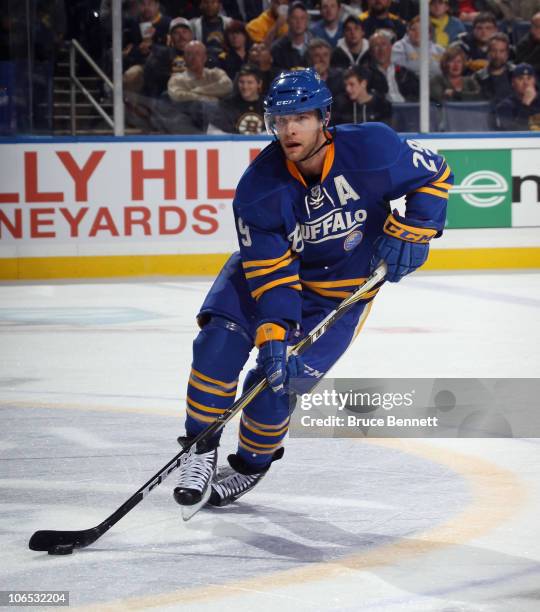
[(403, 246), (272, 358)]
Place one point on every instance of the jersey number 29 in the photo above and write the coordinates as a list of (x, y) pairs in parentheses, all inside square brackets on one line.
[(418, 156)]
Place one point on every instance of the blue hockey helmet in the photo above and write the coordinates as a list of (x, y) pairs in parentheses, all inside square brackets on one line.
[(297, 91)]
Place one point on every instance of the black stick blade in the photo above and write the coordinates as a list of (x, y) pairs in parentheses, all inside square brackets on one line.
[(47, 539)]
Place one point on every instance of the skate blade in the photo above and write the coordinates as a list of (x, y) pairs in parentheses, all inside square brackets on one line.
[(189, 511)]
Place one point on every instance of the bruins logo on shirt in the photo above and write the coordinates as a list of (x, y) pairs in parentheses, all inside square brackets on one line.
[(250, 123), (215, 39)]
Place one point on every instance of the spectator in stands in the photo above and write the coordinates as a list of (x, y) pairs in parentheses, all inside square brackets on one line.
[(198, 83), (520, 110), (495, 79), (406, 51), (469, 10), (167, 60), (186, 8), (518, 10), (395, 82), (446, 28), (151, 28), (451, 85), (528, 48), (235, 52), (475, 43), (330, 26), (271, 24), (290, 51), (245, 10), (513, 10), (260, 57), (209, 28), (319, 53), (357, 104), (243, 111), (353, 47), (379, 17)]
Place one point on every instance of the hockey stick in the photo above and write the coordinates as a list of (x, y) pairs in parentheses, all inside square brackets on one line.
[(63, 542)]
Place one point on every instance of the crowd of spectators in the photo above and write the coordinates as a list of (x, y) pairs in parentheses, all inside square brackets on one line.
[(210, 62)]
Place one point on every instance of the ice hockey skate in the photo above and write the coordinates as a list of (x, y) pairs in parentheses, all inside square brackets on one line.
[(237, 480), (193, 487)]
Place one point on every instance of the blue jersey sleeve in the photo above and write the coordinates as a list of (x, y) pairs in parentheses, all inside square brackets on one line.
[(270, 266), (425, 179)]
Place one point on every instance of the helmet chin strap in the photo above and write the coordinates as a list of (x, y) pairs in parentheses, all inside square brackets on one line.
[(328, 140)]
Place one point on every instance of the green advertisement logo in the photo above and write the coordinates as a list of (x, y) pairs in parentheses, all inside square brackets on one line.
[(482, 192)]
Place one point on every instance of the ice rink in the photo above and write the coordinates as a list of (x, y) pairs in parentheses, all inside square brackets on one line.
[(92, 390)]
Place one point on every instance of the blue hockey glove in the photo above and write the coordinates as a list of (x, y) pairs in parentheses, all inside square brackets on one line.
[(403, 246), (271, 340)]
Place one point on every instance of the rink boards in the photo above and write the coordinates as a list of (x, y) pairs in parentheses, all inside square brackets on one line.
[(107, 207)]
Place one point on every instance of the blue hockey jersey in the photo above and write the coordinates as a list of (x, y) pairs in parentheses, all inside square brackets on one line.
[(298, 238)]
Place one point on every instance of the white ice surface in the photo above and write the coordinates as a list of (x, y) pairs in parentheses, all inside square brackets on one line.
[(92, 383)]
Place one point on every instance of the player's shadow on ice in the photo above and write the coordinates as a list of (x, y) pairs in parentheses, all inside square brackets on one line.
[(441, 570), (309, 538)]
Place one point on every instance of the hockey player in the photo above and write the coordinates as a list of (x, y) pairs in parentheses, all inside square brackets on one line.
[(313, 219)]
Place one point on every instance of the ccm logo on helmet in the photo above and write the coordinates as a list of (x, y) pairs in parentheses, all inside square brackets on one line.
[(283, 102)]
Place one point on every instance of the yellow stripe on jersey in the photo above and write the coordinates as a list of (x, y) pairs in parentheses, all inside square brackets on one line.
[(256, 294), (362, 320), (205, 408), (445, 174), (258, 451), (330, 292), (345, 282), (342, 294), (253, 423), (212, 390), (263, 271), (259, 432), (446, 186), (256, 263), (431, 191), (215, 381), (258, 444), (199, 417)]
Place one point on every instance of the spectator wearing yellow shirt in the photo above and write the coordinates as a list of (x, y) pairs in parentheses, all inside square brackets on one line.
[(446, 28), (270, 24)]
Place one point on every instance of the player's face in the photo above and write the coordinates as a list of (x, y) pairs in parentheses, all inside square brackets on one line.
[(299, 135)]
